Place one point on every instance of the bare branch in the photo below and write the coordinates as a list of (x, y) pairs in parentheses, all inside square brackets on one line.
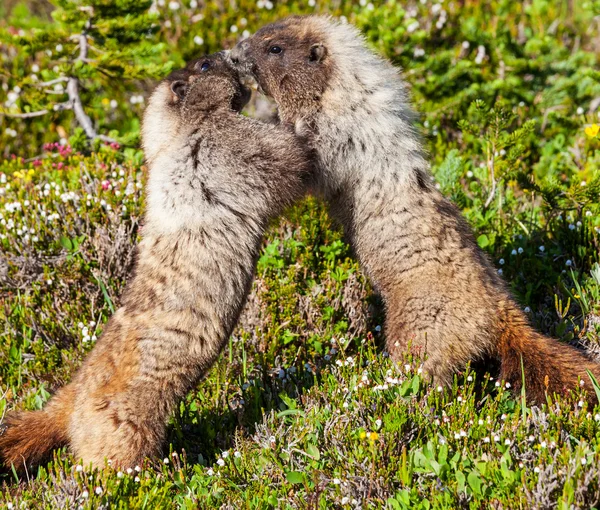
[(80, 115), (83, 43), (59, 107), (27, 115), (62, 79)]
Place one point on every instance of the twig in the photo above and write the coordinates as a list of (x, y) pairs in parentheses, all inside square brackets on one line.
[(27, 115), (80, 115), (490, 198), (59, 107), (520, 223), (62, 79), (39, 156), (83, 42), (74, 98)]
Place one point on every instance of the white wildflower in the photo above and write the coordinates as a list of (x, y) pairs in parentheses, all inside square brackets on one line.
[(412, 27)]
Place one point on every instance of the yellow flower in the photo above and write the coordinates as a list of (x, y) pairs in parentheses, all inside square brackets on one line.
[(105, 101), (31, 171), (362, 434), (592, 130), (373, 436)]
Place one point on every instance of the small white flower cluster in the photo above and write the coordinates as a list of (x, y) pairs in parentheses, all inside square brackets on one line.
[(13, 206), (460, 434), (137, 99), (443, 16), (198, 40), (69, 196), (88, 332), (389, 382), (413, 27), (411, 12), (10, 132), (480, 54), (12, 96), (267, 4), (348, 362), (225, 455)]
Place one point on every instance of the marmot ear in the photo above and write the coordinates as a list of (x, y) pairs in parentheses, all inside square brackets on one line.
[(317, 53), (179, 88)]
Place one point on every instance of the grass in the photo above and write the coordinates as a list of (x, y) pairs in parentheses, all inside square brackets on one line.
[(303, 408)]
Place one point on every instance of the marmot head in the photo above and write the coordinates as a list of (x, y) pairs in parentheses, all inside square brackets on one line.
[(290, 61), (204, 87)]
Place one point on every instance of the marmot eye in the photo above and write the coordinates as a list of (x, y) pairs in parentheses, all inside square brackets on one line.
[(275, 49), (204, 66)]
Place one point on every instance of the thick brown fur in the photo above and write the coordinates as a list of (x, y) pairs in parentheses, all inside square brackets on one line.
[(442, 295), (216, 178)]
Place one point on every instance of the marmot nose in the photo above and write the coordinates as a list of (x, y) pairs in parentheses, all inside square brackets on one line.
[(238, 52)]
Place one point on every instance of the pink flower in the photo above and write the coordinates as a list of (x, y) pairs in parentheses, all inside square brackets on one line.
[(105, 185)]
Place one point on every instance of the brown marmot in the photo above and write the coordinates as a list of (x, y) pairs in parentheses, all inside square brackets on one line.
[(216, 178), (442, 295)]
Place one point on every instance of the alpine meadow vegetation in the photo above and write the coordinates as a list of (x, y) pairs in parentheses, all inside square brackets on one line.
[(304, 409)]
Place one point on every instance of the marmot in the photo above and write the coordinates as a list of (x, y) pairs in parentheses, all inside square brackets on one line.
[(216, 179), (442, 295)]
